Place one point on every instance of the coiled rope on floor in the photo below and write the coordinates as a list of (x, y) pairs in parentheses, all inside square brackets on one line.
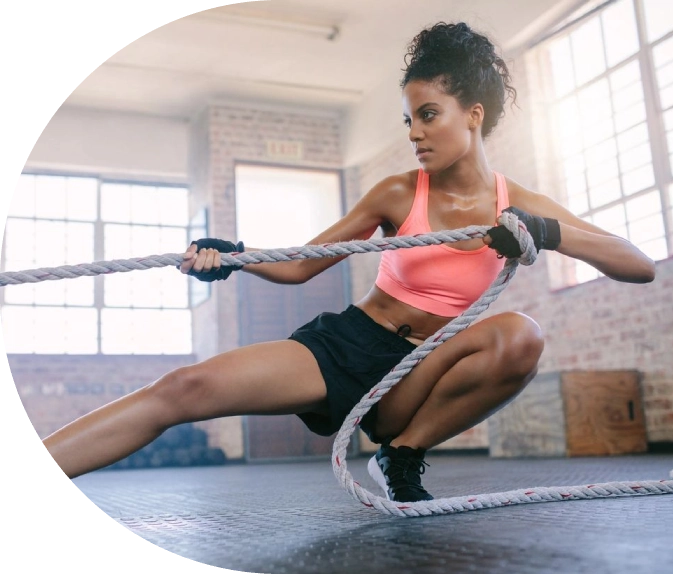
[(350, 424)]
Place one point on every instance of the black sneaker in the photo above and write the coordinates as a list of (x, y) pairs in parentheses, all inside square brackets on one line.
[(398, 472)]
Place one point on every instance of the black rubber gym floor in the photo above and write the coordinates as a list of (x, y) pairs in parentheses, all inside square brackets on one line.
[(294, 518)]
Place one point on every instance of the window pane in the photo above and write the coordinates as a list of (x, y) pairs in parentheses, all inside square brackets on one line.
[(599, 132), (627, 97), (19, 256), (128, 241), (172, 240), (23, 201), (632, 137), (154, 288), (594, 103), (645, 229), (620, 32), (115, 202), (587, 50), (655, 250), (562, 66), (605, 193), (610, 219), (79, 238), (76, 292), (19, 244), (141, 331), (663, 53), (658, 18), (644, 205), (665, 75), (601, 152), (666, 97), (625, 76), (49, 243), (602, 173), (630, 117), (137, 289), (636, 157), (638, 179), (49, 330), (82, 198), (173, 206), (50, 196), (578, 203), (144, 204)]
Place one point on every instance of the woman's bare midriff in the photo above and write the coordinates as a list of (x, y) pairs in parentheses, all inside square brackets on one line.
[(393, 314)]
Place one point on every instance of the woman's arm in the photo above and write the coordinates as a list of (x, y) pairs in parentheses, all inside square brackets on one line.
[(613, 256), (361, 222)]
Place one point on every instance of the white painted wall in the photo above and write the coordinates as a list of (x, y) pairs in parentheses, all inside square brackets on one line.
[(113, 144), (374, 123)]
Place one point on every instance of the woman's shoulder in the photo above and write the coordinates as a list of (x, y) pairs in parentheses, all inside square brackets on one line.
[(519, 195), (392, 197), (531, 201), (398, 183), (396, 188)]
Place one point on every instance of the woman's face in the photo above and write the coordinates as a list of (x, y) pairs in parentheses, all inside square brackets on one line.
[(439, 127)]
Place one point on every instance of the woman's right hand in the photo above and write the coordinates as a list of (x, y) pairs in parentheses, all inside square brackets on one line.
[(202, 259)]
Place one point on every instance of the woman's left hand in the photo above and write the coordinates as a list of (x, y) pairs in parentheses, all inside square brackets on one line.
[(544, 231)]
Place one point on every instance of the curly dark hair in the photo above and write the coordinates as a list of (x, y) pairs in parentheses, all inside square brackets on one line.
[(466, 65)]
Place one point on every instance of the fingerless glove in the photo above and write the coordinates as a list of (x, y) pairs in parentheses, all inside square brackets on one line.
[(546, 234), (222, 272)]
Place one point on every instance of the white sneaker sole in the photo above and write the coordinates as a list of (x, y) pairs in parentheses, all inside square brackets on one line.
[(375, 472)]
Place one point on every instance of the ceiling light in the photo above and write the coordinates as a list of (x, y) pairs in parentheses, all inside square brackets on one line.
[(327, 31)]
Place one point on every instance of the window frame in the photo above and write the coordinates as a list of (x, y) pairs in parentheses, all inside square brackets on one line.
[(563, 274), (99, 249)]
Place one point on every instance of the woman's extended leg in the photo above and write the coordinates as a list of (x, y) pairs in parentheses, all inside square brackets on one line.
[(268, 378)]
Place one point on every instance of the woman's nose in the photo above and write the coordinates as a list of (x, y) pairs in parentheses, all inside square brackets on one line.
[(415, 134)]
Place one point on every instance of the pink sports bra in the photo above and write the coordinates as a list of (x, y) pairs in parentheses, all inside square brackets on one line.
[(438, 279)]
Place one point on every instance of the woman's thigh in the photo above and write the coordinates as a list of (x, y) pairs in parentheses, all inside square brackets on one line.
[(280, 377), (509, 344)]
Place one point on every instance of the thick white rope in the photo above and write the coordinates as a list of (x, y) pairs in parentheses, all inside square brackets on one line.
[(240, 259), (474, 502), (340, 467)]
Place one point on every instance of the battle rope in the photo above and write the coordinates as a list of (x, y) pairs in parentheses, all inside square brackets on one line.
[(340, 467), (240, 259)]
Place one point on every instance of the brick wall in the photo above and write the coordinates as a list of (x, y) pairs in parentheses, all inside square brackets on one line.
[(57, 389)]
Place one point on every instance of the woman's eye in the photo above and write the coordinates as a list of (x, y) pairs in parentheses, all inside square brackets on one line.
[(428, 115), (407, 122)]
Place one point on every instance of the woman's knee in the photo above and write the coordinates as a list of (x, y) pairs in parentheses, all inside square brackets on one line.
[(178, 393), (519, 343)]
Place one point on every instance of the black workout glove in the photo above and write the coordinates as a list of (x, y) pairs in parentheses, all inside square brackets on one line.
[(546, 234), (222, 246)]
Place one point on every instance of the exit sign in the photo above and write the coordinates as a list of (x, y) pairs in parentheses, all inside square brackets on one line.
[(284, 149)]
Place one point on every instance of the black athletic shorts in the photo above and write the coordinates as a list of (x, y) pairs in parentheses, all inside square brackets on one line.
[(354, 353)]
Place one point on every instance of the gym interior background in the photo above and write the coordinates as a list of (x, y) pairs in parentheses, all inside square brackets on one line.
[(264, 122)]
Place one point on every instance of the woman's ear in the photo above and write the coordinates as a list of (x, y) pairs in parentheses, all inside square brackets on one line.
[(475, 116)]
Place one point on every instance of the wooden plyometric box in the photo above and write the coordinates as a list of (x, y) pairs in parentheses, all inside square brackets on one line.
[(574, 413)]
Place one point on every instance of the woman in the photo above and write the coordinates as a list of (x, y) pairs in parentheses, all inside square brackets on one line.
[(454, 91)]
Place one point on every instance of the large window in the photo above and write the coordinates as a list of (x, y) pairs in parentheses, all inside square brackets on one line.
[(612, 120), (56, 220)]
